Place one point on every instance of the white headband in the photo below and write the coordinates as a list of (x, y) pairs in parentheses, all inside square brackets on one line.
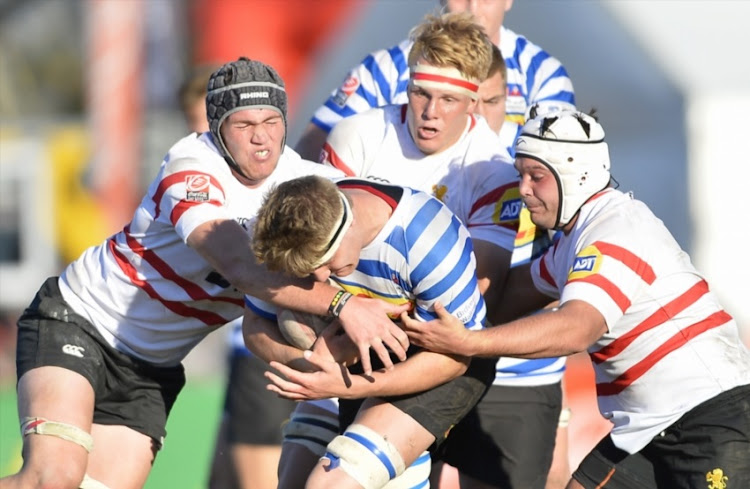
[(338, 232), (445, 78)]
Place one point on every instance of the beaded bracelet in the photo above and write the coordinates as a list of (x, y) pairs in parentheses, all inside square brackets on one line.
[(338, 302)]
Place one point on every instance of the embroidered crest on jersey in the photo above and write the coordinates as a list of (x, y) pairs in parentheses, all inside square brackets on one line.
[(586, 263), (716, 479), (350, 85), (196, 187), (439, 191)]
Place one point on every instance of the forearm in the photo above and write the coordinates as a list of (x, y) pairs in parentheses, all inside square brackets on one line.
[(420, 372), (263, 339), (550, 333)]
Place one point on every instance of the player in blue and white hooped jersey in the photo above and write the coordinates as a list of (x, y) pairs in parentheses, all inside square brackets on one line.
[(402, 246)]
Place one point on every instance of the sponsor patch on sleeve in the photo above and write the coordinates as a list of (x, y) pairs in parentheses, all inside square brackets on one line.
[(196, 187), (587, 262)]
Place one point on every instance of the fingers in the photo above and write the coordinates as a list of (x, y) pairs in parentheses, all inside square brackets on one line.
[(364, 355), (398, 341)]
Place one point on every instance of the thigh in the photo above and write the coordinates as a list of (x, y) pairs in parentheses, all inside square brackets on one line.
[(107, 463), (606, 466), (255, 414)]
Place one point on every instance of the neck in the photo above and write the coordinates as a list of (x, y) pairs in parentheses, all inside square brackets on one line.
[(371, 213)]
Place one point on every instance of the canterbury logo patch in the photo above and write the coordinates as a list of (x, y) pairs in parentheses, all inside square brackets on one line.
[(73, 350)]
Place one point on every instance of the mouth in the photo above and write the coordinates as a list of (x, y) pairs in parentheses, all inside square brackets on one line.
[(427, 132), (262, 154)]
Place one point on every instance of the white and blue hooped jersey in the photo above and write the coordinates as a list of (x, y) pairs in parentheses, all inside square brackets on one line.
[(423, 254), (382, 78)]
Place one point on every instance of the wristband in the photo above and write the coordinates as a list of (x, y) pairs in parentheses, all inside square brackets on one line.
[(338, 302)]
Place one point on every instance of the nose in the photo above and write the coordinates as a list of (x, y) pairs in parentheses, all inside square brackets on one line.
[(321, 274), (430, 110), (524, 187), (259, 135)]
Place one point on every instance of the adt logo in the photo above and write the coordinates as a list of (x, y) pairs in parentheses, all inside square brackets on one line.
[(584, 264), (510, 210)]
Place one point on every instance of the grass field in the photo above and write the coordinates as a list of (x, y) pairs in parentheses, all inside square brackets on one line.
[(185, 459)]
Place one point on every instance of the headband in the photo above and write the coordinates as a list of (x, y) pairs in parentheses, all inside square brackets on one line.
[(337, 233), (445, 78)]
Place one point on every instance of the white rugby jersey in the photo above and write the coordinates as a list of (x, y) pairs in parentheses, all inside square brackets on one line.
[(472, 177), (534, 77), (423, 254), (669, 346), (148, 293)]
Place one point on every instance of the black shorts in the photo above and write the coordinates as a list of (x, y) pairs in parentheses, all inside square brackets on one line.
[(709, 446), (439, 409), (255, 415), (128, 392), (508, 438)]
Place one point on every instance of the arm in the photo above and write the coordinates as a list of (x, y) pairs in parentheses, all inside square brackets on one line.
[(225, 245), (419, 372), (553, 333), (493, 263), (517, 297)]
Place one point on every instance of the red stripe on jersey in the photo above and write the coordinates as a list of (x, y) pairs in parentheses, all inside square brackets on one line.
[(544, 272), (333, 159), (678, 340), (662, 315), (173, 179), (629, 259), (184, 205), (607, 286), (491, 197), (193, 290)]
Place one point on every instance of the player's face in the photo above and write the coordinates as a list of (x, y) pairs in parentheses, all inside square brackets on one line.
[(491, 103), (538, 191), (253, 137), (489, 13), (437, 118)]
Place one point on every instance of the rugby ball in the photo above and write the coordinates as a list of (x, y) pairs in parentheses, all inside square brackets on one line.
[(301, 329)]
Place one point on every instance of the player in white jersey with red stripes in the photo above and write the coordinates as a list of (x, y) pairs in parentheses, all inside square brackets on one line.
[(671, 371), (534, 77), (99, 349), (402, 246), (435, 144)]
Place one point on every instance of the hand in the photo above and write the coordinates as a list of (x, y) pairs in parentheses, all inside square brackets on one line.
[(333, 344), (367, 323), (329, 379), (446, 334)]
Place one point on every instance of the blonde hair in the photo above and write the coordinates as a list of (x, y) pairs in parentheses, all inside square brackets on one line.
[(294, 224), (453, 40)]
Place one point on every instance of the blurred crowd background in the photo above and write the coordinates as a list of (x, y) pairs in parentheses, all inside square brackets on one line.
[(88, 106)]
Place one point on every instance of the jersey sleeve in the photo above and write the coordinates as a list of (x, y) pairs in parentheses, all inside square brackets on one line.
[(346, 147), (495, 204), (609, 271), (188, 196), (445, 267), (262, 309), (380, 79)]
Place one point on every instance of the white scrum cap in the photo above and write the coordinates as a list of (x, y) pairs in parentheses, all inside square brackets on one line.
[(571, 144)]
